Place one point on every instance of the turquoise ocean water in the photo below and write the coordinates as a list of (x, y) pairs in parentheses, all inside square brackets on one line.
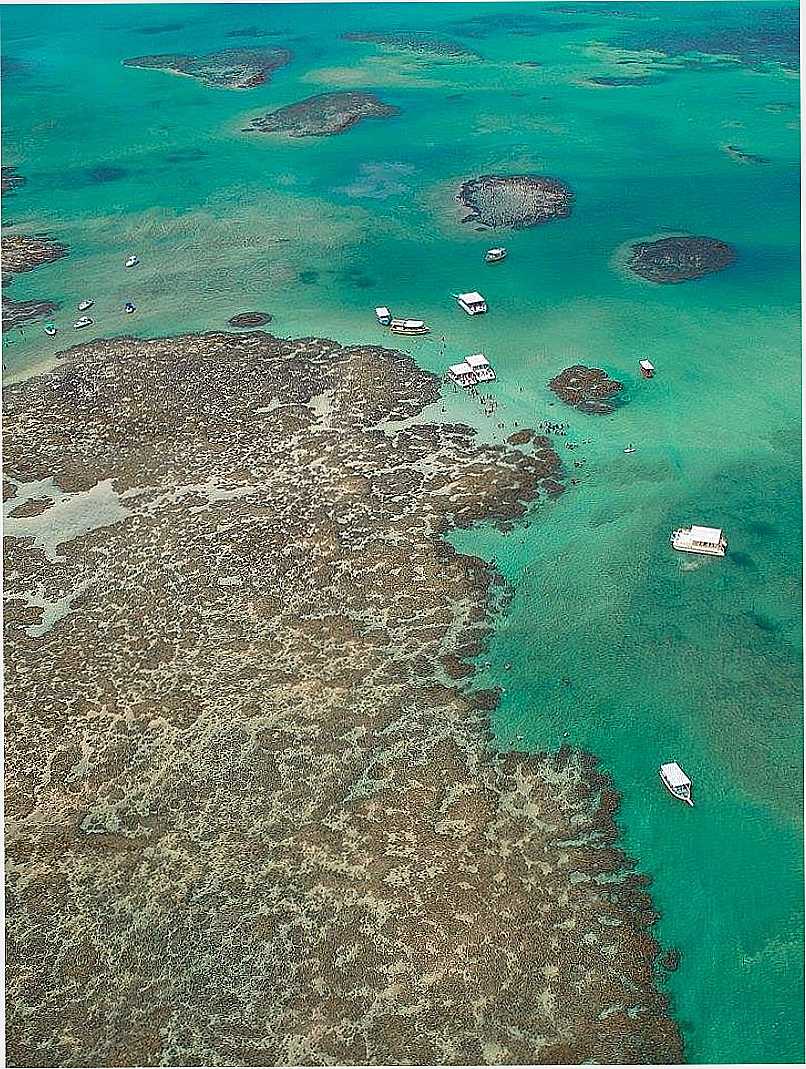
[(611, 642)]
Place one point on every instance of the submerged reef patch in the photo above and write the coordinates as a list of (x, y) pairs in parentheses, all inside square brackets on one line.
[(516, 201), (741, 156), (680, 258), (322, 115), (10, 179), (250, 818), (587, 389), (250, 319), (421, 43), (231, 68)]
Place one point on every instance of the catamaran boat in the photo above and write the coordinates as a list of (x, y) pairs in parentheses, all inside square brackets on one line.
[(473, 303), (85, 321), (408, 326), (84, 305), (647, 368), (51, 329), (132, 261), (495, 256), (694, 539), (676, 782), (128, 308), (472, 370)]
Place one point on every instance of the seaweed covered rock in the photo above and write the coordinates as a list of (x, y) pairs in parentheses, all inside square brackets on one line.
[(250, 319), (588, 389), (680, 258)]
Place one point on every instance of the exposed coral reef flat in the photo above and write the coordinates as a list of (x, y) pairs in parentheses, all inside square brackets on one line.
[(516, 201), (422, 43), (231, 68), (250, 819), (588, 389), (680, 258), (23, 252), (323, 114)]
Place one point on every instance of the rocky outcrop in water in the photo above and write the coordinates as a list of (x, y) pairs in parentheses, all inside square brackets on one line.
[(588, 389), (18, 313), (741, 156), (250, 319), (515, 201), (680, 259), (250, 818), (231, 68), (322, 115), (23, 252)]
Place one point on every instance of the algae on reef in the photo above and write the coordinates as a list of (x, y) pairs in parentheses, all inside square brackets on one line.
[(250, 817)]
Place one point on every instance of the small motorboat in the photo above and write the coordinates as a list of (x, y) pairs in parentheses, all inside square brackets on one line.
[(495, 256), (630, 448), (132, 261), (676, 782), (647, 368), (383, 315), (84, 305), (85, 321), (51, 329), (128, 308)]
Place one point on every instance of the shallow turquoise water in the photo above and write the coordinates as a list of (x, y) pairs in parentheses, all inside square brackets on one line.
[(667, 658)]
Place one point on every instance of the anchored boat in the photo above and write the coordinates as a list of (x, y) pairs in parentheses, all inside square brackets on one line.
[(132, 262), (472, 370), (495, 256), (128, 308), (384, 316), (676, 782), (630, 448), (408, 326), (84, 305), (85, 321), (473, 303), (695, 539), (647, 368), (51, 329)]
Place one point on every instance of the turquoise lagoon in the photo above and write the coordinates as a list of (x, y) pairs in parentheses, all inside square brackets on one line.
[(611, 642)]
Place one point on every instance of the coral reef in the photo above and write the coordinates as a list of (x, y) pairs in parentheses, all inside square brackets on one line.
[(421, 43), (250, 818), (322, 115), (680, 258), (231, 68), (741, 156), (17, 313), (516, 201), (588, 389), (9, 179), (22, 252), (250, 319)]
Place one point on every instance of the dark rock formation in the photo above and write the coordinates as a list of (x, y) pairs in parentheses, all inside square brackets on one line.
[(22, 252), (680, 259), (17, 313), (588, 389), (248, 818), (743, 157), (516, 201), (231, 68), (671, 959), (322, 115), (250, 319), (9, 179)]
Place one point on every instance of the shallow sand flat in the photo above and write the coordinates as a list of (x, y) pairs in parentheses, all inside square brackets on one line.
[(283, 835)]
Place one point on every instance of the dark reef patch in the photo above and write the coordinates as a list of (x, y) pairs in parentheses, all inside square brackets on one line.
[(18, 313), (516, 201), (587, 389), (105, 173), (231, 68), (250, 319), (421, 43), (322, 115), (616, 81), (308, 277), (186, 155), (680, 258), (162, 27), (741, 156), (10, 180)]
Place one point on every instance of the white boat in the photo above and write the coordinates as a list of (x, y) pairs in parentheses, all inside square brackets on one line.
[(472, 370), (384, 316), (647, 368), (676, 782), (128, 308), (473, 303), (630, 448), (132, 262), (51, 330), (85, 321), (495, 256), (695, 539), (84, 305), (408, 326)]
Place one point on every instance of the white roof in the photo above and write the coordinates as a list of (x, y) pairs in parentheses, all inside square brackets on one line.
[(471, 298), (706, 534), (674, 775), (646, 363), (461, 369), (413, 323), (382, 311), (498, 249), (477, 360)]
